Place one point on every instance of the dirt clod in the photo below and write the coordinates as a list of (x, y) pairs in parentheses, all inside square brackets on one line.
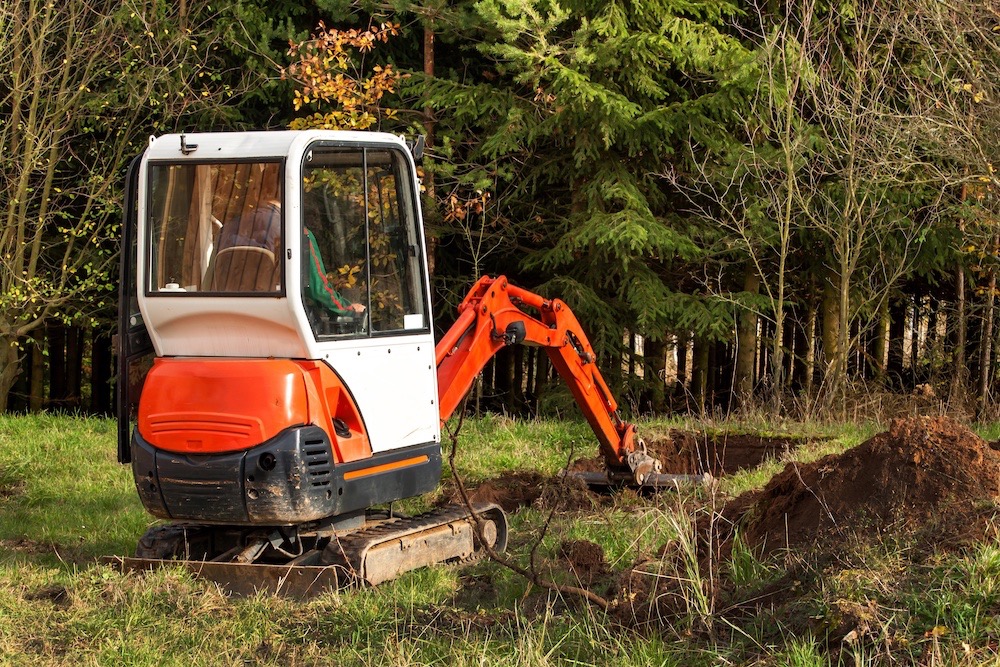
[(922, 471), (510, 490), (585, 559)]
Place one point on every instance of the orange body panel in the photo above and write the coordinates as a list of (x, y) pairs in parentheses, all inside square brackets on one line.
[(210, 406)]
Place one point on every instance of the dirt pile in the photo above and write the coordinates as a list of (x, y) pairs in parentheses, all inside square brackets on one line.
[(923, 471)]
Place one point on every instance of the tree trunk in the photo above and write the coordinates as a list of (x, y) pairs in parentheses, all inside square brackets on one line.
[(764, 357), (897, 332), (831, 335), (800, 346), (654, 371), (788, 347), (880, 342), (986, 337), (959, 368), (682, 363), (915, 339), (36, 401), (430, 201), (74, 367), (55, 334), (17, 397), (843, 331), (933, 344), (541, 377), (504, 380), (699, 372), (517, 384), (10, 365), (812, 315), (746, 344), (725, 363)]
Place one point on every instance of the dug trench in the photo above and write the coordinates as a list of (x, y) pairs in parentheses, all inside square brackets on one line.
[(681, 452), (927, 483)]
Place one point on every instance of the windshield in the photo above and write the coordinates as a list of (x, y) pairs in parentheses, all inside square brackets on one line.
[(361, 257), (215, 227)]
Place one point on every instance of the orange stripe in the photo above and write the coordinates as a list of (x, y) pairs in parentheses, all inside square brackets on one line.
[(385, 467)]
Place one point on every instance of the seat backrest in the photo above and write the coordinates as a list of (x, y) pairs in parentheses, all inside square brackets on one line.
[(244, 269)]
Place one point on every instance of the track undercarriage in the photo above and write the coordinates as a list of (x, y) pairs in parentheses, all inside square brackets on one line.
[(363, 549)]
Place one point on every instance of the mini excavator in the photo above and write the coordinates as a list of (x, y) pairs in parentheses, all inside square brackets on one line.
[(278, 373)]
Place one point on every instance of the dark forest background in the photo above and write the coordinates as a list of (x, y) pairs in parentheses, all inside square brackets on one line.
[(787, 207)]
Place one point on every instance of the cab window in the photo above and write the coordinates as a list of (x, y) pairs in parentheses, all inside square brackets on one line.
[(215, 228), (361, 257)]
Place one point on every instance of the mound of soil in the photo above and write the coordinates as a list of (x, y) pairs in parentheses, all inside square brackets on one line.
[(689, 453), (923, 471)]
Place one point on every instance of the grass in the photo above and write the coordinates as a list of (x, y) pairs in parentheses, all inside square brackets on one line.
[(64, 502)]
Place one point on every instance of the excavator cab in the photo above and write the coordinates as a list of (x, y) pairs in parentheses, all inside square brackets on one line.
[(276, 324)]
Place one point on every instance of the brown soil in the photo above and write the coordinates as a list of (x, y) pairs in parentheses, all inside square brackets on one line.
[(687, 453), (585, 560), (513, 490), (28, 546), (692, 453), (57, 595), (924, 472)]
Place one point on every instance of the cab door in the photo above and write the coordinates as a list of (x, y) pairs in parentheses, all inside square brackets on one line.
[(135, 349), (364, 286)]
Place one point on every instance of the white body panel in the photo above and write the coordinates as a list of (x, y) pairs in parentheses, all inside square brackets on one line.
[(393, 379), (394, 382)]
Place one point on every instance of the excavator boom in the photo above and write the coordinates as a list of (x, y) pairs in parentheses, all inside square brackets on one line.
[(492, 317)]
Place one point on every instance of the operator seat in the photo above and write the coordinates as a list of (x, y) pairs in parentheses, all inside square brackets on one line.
[(243, 269)]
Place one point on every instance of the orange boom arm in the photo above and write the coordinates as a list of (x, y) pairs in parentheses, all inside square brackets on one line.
[(492, 317)]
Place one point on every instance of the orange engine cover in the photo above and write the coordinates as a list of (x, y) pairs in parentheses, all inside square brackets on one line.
[(206, 406)]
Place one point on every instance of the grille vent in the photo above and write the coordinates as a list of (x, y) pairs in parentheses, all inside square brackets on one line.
[(317, 455)]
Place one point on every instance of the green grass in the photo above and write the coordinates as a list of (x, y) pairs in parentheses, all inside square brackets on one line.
[(64, 502)]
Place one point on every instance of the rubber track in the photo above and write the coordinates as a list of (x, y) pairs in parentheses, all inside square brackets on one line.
[(353, 545)]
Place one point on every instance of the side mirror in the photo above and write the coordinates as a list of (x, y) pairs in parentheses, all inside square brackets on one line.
[(416, 147)]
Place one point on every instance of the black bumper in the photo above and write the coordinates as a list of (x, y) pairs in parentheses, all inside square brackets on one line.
[(290, 479)]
